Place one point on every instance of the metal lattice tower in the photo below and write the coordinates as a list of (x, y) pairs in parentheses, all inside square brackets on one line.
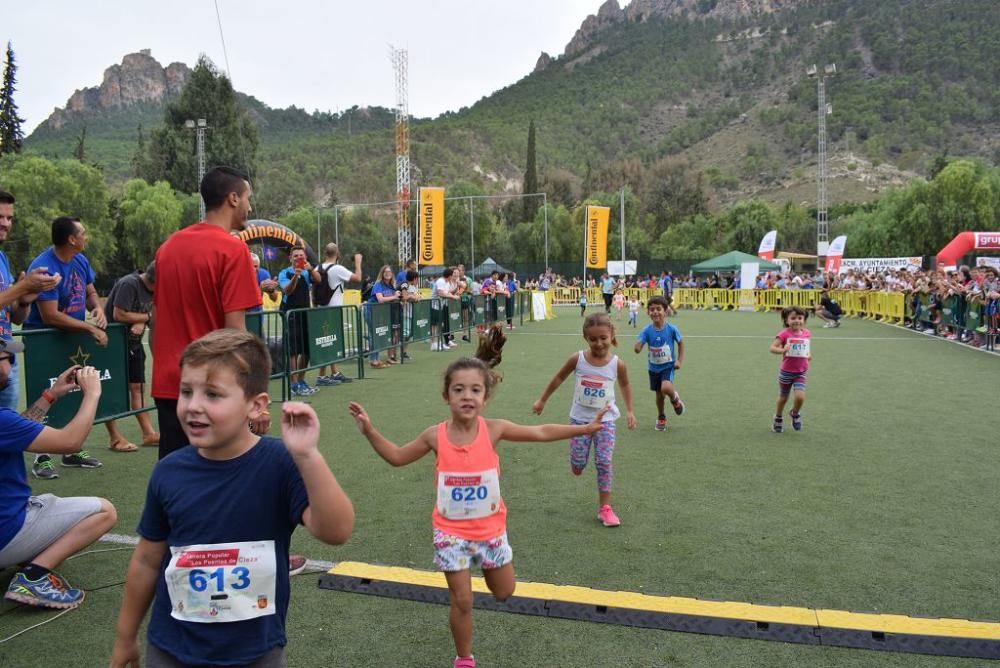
[(822, 110), (822, 223), (400, 62)]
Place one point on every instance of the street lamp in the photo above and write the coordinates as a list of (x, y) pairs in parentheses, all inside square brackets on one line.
[(823, 109), (199, 127)]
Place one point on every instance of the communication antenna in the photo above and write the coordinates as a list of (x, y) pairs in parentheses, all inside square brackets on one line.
[(400, 64)]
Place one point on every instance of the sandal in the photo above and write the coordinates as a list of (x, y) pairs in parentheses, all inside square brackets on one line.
[(152, 440), (378, 364), (122, 445)]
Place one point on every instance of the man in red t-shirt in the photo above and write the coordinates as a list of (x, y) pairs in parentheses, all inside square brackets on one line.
[(205, 281)]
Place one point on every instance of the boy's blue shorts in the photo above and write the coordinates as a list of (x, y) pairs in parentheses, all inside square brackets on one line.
[(656, 378)]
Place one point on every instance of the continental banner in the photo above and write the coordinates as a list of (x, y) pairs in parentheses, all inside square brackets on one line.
[(430, 237), (597, 236)]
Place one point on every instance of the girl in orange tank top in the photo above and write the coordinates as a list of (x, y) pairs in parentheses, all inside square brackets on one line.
[(469, 516)]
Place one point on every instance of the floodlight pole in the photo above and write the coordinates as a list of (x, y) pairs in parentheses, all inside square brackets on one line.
[(545, 212), (472, 241), (621, 218), (199, 127)]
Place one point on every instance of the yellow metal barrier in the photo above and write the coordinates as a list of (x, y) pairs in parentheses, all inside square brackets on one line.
[(887, 307)]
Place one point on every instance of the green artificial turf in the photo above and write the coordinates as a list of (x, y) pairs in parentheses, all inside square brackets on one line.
[(886, 502)]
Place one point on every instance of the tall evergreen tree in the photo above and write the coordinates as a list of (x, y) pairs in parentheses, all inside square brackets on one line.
[(11, 134), (80, 152), (531, 204), (139, 157), (230, 140)]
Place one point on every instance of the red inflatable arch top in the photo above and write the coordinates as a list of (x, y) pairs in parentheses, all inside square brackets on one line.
[(949, 256)]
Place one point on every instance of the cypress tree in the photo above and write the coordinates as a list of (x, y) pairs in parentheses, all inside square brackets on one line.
[(530, 177), (11, 134)]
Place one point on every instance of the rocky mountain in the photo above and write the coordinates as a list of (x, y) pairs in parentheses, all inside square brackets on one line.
[(140, 79), (640, 11)]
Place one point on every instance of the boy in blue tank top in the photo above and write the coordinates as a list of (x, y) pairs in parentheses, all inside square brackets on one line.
[(660, 337), (215, 531)]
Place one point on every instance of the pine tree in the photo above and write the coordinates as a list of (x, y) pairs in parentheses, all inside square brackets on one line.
[(530, 177), (11, 134), (80, 152), (139, 157), (230, 140)]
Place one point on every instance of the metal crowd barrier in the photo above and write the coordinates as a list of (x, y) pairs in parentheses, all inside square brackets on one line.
[(327, 335)]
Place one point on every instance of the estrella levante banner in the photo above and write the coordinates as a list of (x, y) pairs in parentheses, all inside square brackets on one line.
[(596, 235), (430, 235)]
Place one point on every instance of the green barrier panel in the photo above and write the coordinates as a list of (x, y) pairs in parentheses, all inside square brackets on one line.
[(454, 315), (973, 315), (420, 321), (951, 310), (379, 326), (255, 324), (501, 309), (49, 352), (326, 335), (925, 309), (479, 310)]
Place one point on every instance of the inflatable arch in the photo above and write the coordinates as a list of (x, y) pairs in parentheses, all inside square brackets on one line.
[(275, 235)]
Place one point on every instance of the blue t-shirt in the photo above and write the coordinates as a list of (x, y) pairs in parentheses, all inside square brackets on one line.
[(71, 293), (192, 500), (262, 275), (16, 434), (381, 288), (657, 338), (401, 277), (6, 280), (511, 286)]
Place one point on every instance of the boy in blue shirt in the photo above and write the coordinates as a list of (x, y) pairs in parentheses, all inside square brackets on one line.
[(661, 336), (215, 530)]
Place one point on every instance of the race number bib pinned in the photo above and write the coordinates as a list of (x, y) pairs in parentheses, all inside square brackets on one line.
[(798, 348), (222, 582), (468, 496), (660, 355), (593, 392)]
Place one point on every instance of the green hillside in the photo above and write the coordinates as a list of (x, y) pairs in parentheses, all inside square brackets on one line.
[(917, 79)]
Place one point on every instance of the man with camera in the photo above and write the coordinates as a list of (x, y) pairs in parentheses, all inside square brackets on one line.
[(335, 277), (295, 282), (37, 533)]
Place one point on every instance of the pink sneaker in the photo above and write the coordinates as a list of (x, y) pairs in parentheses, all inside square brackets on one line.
[(464, 662), (575, 470), (608, 517)]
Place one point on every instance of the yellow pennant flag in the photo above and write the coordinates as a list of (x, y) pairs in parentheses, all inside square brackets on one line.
[(430, 238), (597, 236)]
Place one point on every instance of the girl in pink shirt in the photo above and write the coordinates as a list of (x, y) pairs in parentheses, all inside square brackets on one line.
[(792, 343), (469, 517)]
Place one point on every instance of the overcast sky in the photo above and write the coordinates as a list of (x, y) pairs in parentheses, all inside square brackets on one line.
[(314, 54)]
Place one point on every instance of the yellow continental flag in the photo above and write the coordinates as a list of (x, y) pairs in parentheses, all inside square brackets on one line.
[(430, 237), (597, 236)]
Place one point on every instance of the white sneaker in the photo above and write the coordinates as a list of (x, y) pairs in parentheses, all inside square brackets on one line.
[(452, 344), (828, 325), (435, 347)]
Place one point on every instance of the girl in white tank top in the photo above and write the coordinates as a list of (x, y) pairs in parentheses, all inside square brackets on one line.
[(595, 372)]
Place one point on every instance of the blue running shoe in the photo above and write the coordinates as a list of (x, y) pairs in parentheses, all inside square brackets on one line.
[(50, 591), (796, 421)]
